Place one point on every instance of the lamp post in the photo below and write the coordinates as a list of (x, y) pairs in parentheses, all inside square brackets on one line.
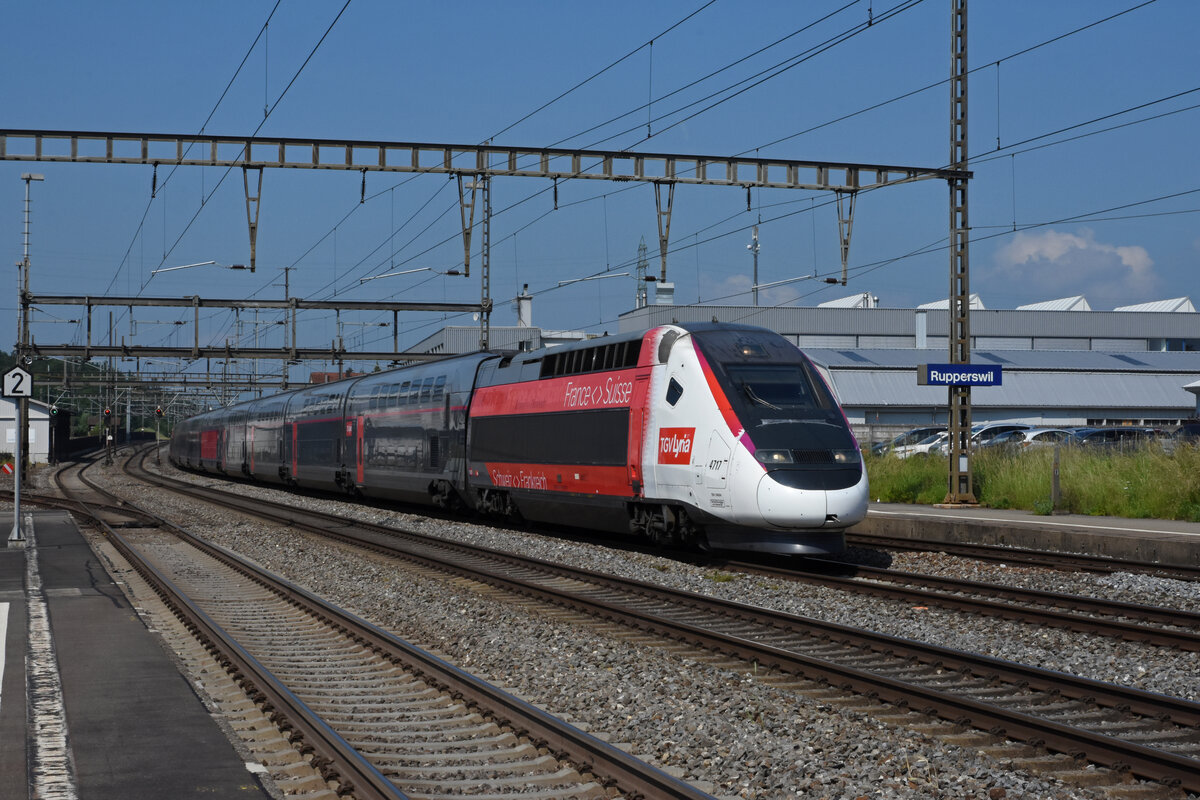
[(23, 345)]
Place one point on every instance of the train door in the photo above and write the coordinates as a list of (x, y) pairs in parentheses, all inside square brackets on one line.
[(637, 431), (716, 471), (295, 450), (358, 451)]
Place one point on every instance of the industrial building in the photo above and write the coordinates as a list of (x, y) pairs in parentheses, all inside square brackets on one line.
[(1063, 363), (39, 429)]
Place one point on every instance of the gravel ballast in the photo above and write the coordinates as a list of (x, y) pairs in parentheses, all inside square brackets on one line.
[(725, 727)]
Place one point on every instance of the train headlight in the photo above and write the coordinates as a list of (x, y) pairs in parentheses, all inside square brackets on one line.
[(774, 456), (845, 457)]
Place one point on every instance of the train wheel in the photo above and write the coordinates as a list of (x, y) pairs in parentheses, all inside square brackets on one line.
[(662, 527), (691, 534)]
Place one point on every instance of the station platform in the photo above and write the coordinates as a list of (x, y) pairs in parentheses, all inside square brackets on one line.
[(91, 705), (1167, 542)]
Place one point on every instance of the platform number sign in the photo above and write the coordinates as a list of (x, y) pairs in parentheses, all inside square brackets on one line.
[(18, 383)]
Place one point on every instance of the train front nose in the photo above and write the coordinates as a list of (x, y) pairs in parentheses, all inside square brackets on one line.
[(833, 498), (789, 507)]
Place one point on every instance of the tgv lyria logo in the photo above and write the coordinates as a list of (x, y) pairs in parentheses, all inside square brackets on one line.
[(675, 445)]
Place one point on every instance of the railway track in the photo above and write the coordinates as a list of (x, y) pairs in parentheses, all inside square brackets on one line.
[(1071, 562), (1151, 736), (1102, 617), (381, 718), (79, 494)]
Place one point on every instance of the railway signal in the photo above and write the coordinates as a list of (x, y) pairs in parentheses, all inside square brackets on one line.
[(158, 414), (54, 411)]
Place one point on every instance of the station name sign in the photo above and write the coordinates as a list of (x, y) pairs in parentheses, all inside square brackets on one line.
[(959, 374)]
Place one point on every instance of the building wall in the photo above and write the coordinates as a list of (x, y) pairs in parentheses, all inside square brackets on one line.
[(903, 327), (39, 430), (849, 330)]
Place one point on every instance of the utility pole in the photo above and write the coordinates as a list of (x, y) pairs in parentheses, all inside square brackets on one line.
[(641, 299), (287, 297), (960, 491), (23, 346)]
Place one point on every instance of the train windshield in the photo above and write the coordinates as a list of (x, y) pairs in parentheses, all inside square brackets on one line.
[(767, 380), (766, 393)]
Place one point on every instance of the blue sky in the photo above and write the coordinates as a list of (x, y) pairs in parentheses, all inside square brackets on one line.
[(1111, 215)]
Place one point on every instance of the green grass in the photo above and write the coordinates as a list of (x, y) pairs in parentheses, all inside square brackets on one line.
[(1146, 483)]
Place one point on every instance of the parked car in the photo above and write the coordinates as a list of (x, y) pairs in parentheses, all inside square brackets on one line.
[(906, 439), (1031, 439), (1122, 438), (984, 432), (1188, 432), (925, 447), (981, 434)]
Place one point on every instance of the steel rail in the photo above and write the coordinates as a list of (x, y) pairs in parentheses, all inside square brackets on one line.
[(935, 593), (632, 776), (335, 759), (1066, 561), (1099, 748)]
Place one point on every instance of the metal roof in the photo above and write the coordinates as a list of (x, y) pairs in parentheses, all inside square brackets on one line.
[(976, 303), (1034, 390), (902, 321), (1177, 305), (1076, 303), (465, 339), (860, 300), (1174, 362)]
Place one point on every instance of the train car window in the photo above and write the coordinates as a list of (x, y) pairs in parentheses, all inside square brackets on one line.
[(618, 355), (630, 352), (575, 437), (426, 389), (439, 387), (674, 392), (403, 399)]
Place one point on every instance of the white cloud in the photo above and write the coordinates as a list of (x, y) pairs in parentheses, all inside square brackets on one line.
[(1055, 263)]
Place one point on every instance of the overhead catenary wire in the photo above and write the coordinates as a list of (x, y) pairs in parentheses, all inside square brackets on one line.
[(606, 194), (273, 106), (627, 55), (207, 120), (741, 229)]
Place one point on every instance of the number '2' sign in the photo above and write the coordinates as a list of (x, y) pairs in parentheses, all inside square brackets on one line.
[(18, 383)]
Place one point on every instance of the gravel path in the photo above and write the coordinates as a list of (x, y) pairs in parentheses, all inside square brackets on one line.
[(746, 738)]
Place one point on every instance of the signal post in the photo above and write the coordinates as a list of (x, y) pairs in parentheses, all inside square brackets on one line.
[(18, 384), (158, 415)]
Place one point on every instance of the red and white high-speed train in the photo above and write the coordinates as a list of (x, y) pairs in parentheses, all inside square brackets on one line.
[(715, 435)]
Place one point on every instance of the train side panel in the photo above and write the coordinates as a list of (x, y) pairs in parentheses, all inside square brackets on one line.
[(234, 459), (549, 436), (404, 432), (313, 436), (264, 439)]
